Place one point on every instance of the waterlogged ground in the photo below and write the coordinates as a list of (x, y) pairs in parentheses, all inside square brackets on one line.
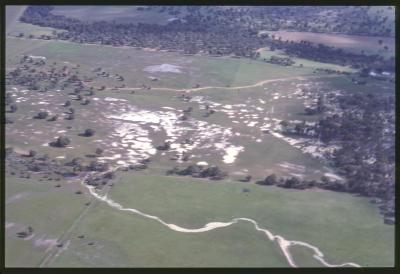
[(242, 137)]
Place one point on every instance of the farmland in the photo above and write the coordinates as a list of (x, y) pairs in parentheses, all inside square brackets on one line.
[(150, 114), (351, 43)]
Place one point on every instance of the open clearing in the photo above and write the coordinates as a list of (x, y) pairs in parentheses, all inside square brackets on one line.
[(120, 14), (351, 43)]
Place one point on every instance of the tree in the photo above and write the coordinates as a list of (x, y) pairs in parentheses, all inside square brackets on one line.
[(320, 104), (271, 180), (99, 151), (183, 117), (85, 102), (165, 146), (188, 110), (61, 141), (90, 92), (246, 179), (87, 133), (32, 153), (52, 119), (284, 123), (325, 179), (96, 166), (70, 117), (8, 100), (67, 103), (13, 108), (41, 115)]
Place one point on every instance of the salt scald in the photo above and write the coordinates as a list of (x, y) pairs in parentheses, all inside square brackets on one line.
[(110, 99), (163, 68), (231, 154)]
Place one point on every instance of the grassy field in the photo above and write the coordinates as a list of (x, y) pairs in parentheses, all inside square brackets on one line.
[(137, 242), (120, 14), (48, 210), (12, 15), (351, 43), (266, 53), (205, 70), (29, 29), (342, 226), (192, 203), (130, 63)]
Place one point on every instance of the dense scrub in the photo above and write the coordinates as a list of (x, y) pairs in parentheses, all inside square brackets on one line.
[(207, 32), (361, 127)]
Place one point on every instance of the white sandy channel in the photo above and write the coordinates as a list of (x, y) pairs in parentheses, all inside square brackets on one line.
[(282, 242)]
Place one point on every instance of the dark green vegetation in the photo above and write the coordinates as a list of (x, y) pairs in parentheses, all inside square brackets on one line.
[(373, 20), (208, 33)]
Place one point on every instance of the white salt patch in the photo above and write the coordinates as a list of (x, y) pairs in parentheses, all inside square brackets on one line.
[(252, 124), (163, 68), (110, 99), (334, 176), (231, 154), (370, 160), (293, 167), (297, 175), (45, 242), (37, 57)]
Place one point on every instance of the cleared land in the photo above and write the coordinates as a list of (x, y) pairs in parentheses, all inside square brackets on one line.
[(342, 226), (191, 203), (12, 15), (351, 43), (120, 14)]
